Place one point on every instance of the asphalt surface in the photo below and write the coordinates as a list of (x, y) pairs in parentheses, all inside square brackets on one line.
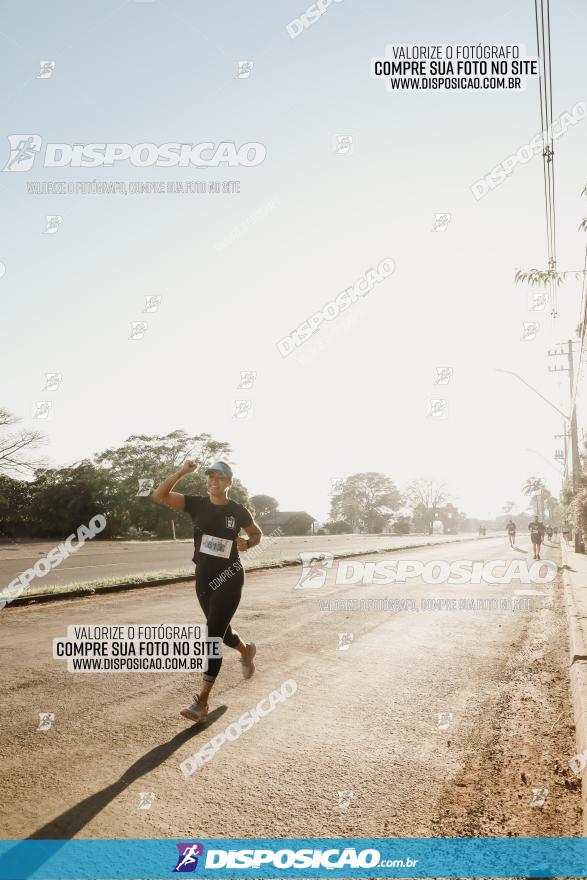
[(101, 559), (437, 722)]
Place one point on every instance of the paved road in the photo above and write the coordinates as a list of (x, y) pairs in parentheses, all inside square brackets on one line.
[(104, 559), (363, 720)]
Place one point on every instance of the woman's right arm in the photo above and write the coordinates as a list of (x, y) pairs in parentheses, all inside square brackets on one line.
[(164, 495)]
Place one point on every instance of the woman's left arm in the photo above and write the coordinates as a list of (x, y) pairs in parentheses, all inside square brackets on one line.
[(254, 537)]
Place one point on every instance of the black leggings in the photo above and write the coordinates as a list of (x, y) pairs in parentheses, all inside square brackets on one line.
[(219, 606)]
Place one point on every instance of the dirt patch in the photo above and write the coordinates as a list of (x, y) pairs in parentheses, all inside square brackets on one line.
[(517, 780)]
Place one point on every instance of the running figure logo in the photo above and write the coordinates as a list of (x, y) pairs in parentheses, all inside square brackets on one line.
[(441, 222), (52, 381), (47, 68), (443, 375), (344, 799), (52, 223), (314, 566), (152, 303), (46, 720), (539, 796), (443, 720), (187, 859), (230, 522), (23, 149), (529, 331), (146, 799)]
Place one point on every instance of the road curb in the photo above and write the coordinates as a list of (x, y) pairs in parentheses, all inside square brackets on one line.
[(162, 582), (577, 673)]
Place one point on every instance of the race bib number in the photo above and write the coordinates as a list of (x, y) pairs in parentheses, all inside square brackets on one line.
[(216, 546)]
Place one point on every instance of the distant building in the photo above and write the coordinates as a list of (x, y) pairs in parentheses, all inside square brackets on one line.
[(291, 522)]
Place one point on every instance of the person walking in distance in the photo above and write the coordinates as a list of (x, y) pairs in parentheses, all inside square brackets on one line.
[(536, 530), (217, 523), (511, 530)]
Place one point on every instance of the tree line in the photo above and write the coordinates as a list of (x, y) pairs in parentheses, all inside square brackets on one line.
[(118, 482)]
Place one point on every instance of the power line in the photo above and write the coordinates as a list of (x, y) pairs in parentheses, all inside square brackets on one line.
[(543, 43)]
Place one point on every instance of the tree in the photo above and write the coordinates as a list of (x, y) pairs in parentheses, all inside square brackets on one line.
[(551, 277), (535, 488), (508, 507), (16, 447), (264, 505), (365, 501), (142, 462), (425, 497), (65, 498), (14, 507)]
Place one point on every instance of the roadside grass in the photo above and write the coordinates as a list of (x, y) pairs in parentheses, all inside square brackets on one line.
[(95, 586)]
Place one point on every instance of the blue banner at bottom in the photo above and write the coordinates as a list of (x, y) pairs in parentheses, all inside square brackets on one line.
[(294, 857)]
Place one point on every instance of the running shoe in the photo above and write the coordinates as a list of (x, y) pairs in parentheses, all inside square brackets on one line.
[(196, 712), (247, 665)]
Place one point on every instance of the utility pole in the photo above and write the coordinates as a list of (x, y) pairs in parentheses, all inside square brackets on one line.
[(575, 458), (564, 437)]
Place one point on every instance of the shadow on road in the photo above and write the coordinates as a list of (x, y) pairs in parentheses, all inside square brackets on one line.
[(69, 823)]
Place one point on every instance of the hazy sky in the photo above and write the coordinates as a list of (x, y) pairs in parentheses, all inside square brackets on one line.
[(355, 396)]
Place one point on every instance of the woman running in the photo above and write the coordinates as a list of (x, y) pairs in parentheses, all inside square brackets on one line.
[(219, 573)]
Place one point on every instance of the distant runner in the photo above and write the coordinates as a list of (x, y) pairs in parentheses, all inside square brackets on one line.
[(549, 532), (217, 522), (536, 530), (511, 530)]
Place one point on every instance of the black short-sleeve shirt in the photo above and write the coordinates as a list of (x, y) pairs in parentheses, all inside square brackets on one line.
[(216, 528)]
